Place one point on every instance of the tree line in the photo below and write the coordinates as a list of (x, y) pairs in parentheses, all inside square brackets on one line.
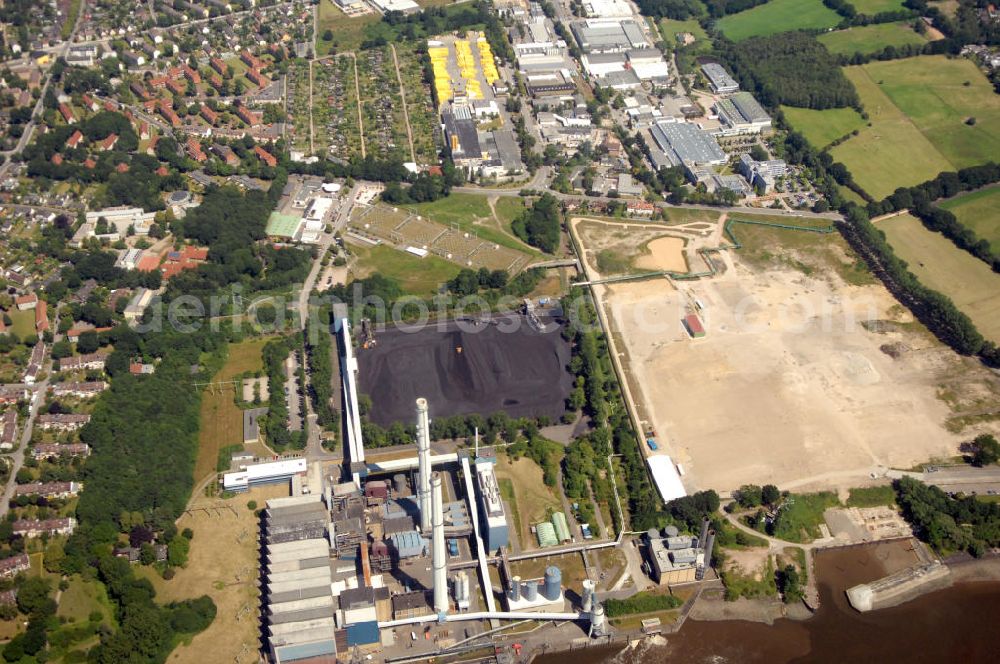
[(949, 524), (540, 224), (919, 200)]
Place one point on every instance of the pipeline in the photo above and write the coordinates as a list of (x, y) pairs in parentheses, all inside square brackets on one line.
[(484, 615)]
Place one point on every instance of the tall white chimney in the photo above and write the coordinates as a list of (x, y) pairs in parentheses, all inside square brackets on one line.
[(423, 465), (439, 560)]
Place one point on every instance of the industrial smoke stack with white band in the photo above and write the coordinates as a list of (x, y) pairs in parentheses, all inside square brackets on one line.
[(438, 559), (423, 465)]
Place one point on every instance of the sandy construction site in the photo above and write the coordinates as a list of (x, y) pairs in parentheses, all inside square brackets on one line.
[(789, 385)]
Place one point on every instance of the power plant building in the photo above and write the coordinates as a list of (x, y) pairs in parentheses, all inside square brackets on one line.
[(494, 519)]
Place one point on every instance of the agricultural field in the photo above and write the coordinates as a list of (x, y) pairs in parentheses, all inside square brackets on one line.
[(870, 38), (940, 265), (890, 153), (873, 7), (381, 105), (778, 16), (297, 105), (335, 108), (823, 127), (980, 212), (221, 419), (939, 94), (427, 139)]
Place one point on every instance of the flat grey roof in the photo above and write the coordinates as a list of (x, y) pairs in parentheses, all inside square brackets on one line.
[(688, 142)]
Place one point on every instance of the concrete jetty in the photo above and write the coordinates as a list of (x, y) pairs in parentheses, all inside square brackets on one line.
[(900, 587)]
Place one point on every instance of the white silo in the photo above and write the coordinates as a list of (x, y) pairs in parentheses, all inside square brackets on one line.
[(588, 596), (597, 624)]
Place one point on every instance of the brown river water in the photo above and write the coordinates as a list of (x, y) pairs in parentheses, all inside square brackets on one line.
[(957, 624)]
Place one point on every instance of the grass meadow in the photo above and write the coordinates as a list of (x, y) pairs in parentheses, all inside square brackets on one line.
[(980, 212), (940, 265), (778, 16), (823, 127), (870, 38)]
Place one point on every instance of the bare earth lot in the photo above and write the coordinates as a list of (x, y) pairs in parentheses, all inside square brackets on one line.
[(788, 386)]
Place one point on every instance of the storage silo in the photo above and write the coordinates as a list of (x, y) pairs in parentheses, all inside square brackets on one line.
[(515, 588), (399, 484), (652, 534), (671, 531), (588, 596), (531, 590), (553, 581)]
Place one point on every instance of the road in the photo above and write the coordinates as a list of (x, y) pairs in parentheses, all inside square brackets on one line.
[(516, 193), (17, 456)]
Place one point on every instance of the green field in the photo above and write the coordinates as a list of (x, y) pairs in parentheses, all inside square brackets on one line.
[(23, 322), (471, 213), (778, 16), (892, 152), (918, 108), (823, 127), (870, 38), (83, 597), (669, 29), (417, 276), (940, 265), (873, 7), (980, 212), (939, 94), (348, 33)]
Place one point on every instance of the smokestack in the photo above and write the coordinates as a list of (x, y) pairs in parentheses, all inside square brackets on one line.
[(438, 559), (423, 465), (699, 573)]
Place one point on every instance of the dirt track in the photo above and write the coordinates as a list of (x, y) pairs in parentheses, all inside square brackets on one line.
[(521, 372)]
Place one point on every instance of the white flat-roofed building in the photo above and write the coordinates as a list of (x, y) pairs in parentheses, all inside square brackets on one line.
[(601, 64), (608, 9), (264, 473), (493, 515), (123, 217), (665, 476), (318, 209), (402, 6)]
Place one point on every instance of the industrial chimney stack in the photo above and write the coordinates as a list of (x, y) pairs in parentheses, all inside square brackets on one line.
[(423, 465), (439, 560)]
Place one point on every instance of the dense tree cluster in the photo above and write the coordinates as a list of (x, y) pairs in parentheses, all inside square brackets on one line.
[(276, 429), (949, 524), (319, 352), (539, 225), (679, 10), (689, 511), (641, 603), (790, 68), (231, 224), (425, 188)]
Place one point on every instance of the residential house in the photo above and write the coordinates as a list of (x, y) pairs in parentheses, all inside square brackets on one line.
[(25, 302), (92, 361), (210, 116), (83, 390), (265, 156), (34, 528), (226, 154), (34, 363), (108, 143), (62, 421), (55, 450), (194, 150), (67, 114), (8, 429), (15, 565), (41, 317), (48, 489)]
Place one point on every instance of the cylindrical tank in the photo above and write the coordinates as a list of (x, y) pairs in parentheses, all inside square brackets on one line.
[(399, 483), (531, 590), (671, 531), (597, 626), (515, 588), (652, 534), (553, 580), (588, 596)]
